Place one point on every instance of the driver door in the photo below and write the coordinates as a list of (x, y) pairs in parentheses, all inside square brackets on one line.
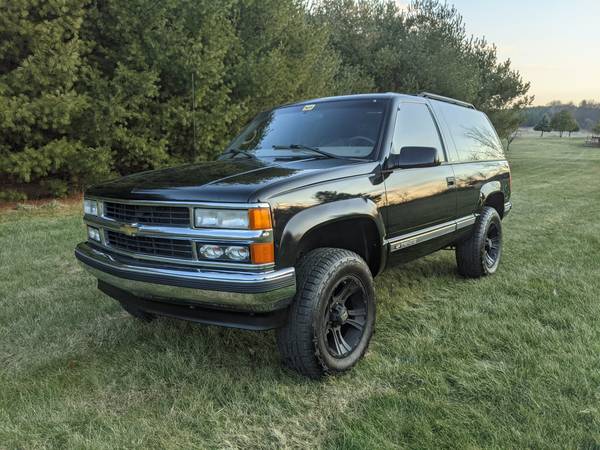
[(421, 198)]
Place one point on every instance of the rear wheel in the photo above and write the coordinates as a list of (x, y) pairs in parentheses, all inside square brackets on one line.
[(332, 318), (479, 255)]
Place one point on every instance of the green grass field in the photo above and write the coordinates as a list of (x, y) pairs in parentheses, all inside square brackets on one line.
[(503, 362)]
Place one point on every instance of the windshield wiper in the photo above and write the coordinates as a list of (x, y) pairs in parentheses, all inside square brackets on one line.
[(239, 151), (306, 147)]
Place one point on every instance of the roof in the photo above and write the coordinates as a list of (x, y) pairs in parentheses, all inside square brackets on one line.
[(386, 95)]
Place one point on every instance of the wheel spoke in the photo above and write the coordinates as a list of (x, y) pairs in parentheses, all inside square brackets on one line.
[(341, 345), (336, 341), (349, 288), (356, 324), (357, 312)]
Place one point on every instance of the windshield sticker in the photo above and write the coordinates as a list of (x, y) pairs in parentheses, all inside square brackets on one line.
[(308, 107)]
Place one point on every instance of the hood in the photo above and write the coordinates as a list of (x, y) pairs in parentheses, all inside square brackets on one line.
[(230, 180)]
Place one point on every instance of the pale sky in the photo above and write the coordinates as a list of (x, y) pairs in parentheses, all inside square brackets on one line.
[(554, 44)]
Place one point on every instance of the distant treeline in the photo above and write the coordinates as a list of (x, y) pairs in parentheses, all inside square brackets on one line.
[(587, 113), (91, 89)]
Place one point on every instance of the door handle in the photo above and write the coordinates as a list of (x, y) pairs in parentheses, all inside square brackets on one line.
[(451, 181)]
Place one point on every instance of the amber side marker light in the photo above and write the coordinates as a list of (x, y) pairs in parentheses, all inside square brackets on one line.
[(260, 218), (262, 253)]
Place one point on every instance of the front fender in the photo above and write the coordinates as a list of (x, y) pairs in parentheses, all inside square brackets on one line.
[(308, 219)]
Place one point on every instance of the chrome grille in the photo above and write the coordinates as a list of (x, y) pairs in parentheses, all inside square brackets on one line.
[(163, 247), (148, 214)]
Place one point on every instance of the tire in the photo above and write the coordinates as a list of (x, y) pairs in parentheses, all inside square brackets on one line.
[(480, 254), (332, 318), (137, 313)]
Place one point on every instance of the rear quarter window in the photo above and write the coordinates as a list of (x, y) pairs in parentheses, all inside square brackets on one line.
[(472, 132)]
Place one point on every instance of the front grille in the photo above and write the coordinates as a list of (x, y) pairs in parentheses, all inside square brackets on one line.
[(148, 214), (169, 248)]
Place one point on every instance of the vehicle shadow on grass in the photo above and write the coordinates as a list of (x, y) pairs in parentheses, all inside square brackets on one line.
[(244, 353), (156, 355)]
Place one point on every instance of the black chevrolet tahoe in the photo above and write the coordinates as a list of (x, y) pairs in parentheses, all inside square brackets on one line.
[(288, 227)]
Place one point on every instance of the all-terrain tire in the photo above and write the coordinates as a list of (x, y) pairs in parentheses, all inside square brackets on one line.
[(479, 255), (323, 276)]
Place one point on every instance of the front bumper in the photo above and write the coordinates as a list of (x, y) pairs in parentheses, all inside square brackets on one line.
[(232, 290)]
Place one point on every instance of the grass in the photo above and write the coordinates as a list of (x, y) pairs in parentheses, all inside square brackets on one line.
[(503, 362)]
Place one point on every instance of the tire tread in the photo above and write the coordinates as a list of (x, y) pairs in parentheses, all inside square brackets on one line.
[(296, 340)]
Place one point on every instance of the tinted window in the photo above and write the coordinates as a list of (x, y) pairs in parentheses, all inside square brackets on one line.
[(415, 128), (345, 128), (473, 135)]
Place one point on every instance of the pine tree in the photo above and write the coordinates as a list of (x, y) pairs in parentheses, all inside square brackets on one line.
[(41, 60), (543, 125)]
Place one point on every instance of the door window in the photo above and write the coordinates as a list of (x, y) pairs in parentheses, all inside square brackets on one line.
[(415, 128)]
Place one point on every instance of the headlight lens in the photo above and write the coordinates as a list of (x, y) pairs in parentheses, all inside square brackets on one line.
[(211, 251), (237, 253), (221, 218), (245, 219), (94, 233), (90, 207)]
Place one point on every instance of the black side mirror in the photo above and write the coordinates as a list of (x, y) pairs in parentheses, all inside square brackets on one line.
[(412, 157)]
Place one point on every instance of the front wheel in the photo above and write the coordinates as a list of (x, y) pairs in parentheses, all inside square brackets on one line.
[(332, 318), (480, 254)]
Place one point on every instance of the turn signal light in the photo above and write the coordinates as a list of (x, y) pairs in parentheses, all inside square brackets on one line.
[(260, 218), (262, 253)]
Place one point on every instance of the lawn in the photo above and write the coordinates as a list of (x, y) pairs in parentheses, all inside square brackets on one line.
[(508, 361)]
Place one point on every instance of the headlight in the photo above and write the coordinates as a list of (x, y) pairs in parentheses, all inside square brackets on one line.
[(253, 219), (221, 218), (90, 207), (94, 233), (236, 253)]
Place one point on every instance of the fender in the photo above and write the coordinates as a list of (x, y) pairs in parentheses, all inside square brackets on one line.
[(487, 189), (308, 219)]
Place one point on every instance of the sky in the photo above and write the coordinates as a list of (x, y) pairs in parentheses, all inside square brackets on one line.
[(554, 44)]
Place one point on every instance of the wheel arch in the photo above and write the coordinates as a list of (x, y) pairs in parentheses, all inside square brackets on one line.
[(353, 224), (492, 195)]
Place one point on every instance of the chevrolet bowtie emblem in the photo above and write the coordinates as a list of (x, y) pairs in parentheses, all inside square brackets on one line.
[(129, 230)]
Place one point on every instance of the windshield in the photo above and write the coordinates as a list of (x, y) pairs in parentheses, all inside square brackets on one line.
[(343, 128)]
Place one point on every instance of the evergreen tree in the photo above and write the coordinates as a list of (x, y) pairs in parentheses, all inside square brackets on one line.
[(94, 89), (543, 125), (425, 48), (41, 60)]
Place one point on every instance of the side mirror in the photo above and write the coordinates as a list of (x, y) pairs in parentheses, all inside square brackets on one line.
[(412, 157)]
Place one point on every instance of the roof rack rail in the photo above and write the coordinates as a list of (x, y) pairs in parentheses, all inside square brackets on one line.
[(441, 98)]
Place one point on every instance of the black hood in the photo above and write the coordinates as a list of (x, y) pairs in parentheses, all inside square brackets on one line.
[(229, 180)]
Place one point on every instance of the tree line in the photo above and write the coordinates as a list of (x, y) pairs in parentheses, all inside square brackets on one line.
[(586, 113), (91, 89), (562, 121)]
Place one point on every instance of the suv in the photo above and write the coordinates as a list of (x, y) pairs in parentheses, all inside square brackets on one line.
[(287, 229)]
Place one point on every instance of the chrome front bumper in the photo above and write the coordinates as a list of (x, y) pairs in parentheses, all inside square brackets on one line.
[(236, 290)]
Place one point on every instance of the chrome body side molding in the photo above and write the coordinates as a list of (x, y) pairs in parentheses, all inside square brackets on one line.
[(426, 234)]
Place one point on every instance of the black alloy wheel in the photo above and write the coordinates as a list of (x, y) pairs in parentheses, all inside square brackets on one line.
[(346, 317), (479, 254), (492, 246), (332, 317)]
